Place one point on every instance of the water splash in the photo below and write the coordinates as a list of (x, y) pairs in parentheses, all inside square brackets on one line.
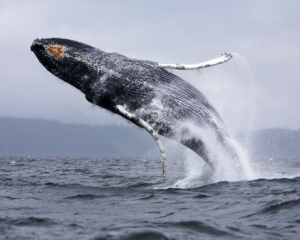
[(226, 168), (231, 91)]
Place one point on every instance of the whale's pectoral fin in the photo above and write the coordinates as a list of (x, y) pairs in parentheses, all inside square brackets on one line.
[(221, 59), (140, 122)]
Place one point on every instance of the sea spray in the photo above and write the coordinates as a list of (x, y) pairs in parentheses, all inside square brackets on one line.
[(197, 172), (230, 89), (226, 167)]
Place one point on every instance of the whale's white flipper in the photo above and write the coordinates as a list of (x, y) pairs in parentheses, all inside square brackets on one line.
[(221, 59), (140, 122)]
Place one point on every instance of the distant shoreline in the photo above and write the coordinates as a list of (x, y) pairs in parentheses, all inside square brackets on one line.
[(40, 137)]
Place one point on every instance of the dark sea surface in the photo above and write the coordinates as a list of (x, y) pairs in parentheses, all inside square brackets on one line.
[(126, 198)]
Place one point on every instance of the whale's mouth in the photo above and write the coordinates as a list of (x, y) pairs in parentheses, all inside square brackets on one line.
[(37, 45)]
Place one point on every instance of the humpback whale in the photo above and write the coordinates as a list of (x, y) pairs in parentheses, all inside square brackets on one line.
[(143, 92)]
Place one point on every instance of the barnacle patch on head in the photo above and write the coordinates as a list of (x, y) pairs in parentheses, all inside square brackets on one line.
[(56, 51)]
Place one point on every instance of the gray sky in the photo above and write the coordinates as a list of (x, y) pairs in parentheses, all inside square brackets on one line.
[(258, 88)]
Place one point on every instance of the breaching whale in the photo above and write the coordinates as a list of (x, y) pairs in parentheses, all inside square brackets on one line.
[(143, 92)]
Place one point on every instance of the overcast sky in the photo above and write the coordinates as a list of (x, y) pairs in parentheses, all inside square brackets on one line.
[(258, 88)]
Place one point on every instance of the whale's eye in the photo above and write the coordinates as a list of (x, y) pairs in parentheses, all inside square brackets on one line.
[(56, 51)]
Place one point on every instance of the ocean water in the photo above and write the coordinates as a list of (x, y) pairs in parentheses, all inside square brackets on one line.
[(126, 198)]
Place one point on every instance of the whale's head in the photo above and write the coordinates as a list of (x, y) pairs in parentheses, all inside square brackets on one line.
[(71, 61)]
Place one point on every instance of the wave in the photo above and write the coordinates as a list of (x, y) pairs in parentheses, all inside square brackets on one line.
[(85, 197), (199, 227), (275, 207), (146, 235), (186, 226), (30, 221)]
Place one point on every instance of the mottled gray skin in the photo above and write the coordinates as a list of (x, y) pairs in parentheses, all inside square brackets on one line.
[(159, 97)]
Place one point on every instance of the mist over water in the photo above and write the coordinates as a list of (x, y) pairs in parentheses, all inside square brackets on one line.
[(230, 89)]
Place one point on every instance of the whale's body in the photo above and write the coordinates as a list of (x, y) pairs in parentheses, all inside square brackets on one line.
[(164, 101)]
